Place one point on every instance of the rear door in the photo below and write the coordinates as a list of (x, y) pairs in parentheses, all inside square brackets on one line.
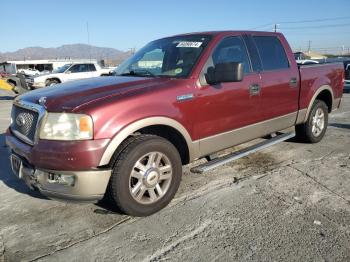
[(93, 71), (79, 71), (280, 81)]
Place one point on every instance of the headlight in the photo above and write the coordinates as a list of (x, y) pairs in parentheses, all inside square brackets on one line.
[(64, 126)]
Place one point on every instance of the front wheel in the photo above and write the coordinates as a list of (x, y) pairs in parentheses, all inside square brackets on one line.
[(146, 175), (316, 125)]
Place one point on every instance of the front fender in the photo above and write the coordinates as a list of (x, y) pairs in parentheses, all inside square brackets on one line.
[(132, 128)]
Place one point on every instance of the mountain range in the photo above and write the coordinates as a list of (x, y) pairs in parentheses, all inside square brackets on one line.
[(73, 51)]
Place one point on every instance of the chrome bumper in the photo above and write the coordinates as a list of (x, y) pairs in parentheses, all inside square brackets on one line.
[(69, 185), (37, 85)]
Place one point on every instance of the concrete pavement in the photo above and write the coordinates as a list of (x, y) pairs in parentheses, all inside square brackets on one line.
[(290, 202)]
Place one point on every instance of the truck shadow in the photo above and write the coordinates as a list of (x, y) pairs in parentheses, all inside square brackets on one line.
[(339, 125), (104, 207), (6, 175), (7, 97)]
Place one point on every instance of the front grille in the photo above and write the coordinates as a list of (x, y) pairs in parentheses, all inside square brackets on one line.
[(24, 121)]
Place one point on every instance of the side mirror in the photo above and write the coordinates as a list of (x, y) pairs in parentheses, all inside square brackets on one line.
[(224, 72), (68, 72)]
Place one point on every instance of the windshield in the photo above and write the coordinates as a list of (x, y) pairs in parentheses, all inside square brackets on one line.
[(61, 69), (167, 57)]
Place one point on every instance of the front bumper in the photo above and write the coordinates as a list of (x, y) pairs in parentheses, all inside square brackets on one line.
[(59, 155), (37, 85), (69, 185), (65, 170)]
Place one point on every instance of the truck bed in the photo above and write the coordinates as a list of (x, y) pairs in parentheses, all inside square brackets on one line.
[(316, 75)]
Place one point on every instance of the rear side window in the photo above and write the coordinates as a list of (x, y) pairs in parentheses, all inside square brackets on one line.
[(79, 68), (92, 67), (232, 49), (272, 54)]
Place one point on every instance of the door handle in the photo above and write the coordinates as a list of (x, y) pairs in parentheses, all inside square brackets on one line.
[(293, 82), (254, 89)]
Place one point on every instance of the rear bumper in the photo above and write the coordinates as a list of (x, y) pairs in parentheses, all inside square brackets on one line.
[(347, 86), (68, 185)]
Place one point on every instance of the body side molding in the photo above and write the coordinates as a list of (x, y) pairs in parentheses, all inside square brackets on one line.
[(244, 134)]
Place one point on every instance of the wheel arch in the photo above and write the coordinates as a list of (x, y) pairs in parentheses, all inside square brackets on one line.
[(324, 93), (165, 127), (53, 78)]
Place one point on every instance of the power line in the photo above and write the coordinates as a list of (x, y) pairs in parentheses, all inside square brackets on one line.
[(316, 20), (262, 26), (316, 27), (301, 21)]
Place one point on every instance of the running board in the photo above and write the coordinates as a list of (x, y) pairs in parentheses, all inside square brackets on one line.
[(241, 153)]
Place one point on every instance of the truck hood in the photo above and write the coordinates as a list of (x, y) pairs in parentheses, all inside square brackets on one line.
[(71, 95)]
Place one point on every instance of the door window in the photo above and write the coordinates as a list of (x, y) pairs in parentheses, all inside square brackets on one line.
[(92, 68), (232, 49), (271, 51), (79, 68)]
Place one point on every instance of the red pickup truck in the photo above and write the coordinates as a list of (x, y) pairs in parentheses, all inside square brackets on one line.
[(176, 100)]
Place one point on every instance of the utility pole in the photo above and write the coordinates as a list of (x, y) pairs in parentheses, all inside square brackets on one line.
[(88, 38), (309, 47), (132, 50), (275, 27)]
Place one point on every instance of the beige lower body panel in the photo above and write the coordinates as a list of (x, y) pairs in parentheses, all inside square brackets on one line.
[(301, 116), (336, 103), (225, 140), (303, 113), (88, 186)]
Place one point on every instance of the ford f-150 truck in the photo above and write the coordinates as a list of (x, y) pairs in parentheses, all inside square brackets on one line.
[(68, 72), (178, 99)]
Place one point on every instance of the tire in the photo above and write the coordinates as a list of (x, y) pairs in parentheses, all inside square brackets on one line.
[(146, 174), (52, 82), (13, 86), (315, 127)]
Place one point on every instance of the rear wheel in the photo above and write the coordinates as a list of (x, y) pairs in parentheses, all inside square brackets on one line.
[(316, 125), (52, 82), (146, 175)]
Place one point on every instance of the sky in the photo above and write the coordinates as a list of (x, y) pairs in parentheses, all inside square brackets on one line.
[(132, 24)]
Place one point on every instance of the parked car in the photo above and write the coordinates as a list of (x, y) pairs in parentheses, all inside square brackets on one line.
[(69, 72), (29, 71), (4, 74), (19, 82), (126, 137), (347, 76)]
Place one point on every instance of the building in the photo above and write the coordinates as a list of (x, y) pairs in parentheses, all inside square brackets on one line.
[(308, 55)]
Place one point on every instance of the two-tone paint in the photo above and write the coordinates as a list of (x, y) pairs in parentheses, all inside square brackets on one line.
[(205, 118)]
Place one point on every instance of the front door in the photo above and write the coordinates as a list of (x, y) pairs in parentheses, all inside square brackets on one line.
[(225, 107), (79, 71)]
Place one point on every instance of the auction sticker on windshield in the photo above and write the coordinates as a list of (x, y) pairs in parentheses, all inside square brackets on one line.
[(189, 44)]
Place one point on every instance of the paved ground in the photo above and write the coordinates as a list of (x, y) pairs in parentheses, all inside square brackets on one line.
[(291, 202)]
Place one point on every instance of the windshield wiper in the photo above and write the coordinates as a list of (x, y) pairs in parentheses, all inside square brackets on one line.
[(139, 72)]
